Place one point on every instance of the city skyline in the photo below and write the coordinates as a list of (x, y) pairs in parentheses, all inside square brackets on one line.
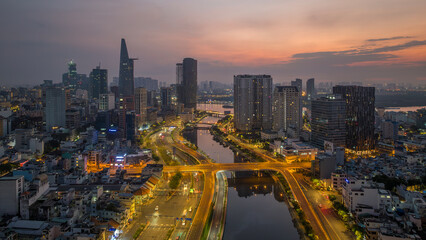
[(363, 41), (244, 120)]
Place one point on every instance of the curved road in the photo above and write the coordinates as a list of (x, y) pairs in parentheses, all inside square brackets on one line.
[(219, 210)]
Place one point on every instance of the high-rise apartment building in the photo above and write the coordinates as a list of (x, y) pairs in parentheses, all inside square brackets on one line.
[(106, 101), (179, 82), (126, 75), (310, 88), (179, 73), (252, 102), (297, 83), (126, 104), (12, 188), (359, 116), (287, 116), (146, 82), (328, 121), (166, 98), (98, 82), (55, 107), (186, 79), (141, 100)]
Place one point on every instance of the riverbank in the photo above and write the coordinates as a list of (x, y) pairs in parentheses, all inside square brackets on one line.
[(300, 223)]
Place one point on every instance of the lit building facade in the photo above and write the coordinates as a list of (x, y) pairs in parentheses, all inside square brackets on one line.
[(106, 101), (98, 82), (286, 110), (55, 108), (189, 83), (141, 100), (328, 121), (359, 116), (252, 102), (310, 88)]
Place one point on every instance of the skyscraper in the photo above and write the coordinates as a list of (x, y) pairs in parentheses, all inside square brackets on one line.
[(310, 88), (98, 82), (328, 121), (126, 76), (189, 83), (146, 82), (166, 98), (72, 79), (179, 73), (252, 102), (179, 82), (126, 105), (286, 112), (297, 83), (141, 100), (55, 108), (359, 116)]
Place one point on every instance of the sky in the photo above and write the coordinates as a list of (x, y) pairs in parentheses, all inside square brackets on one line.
[(366, 41)]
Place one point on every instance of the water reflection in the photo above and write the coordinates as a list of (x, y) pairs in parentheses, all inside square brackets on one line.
[(253, 183), (255, 208), (191, 135)]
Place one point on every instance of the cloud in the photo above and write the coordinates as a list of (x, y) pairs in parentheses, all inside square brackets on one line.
[(360, 53), (388, 39), (397, 47)]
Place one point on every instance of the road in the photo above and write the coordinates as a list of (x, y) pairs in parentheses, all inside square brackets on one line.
[(219, 210), (200, 218), (321, 228), (160, 221), (212, 168), (316, 223), (250, 166), (323, 208)]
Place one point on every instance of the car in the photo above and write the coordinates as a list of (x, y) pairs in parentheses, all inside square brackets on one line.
[(183, 222), (190, 209), (156, 208), (177, 238)]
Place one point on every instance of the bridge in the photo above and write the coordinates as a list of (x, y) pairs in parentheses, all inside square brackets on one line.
[(209, 170), (246, 166)]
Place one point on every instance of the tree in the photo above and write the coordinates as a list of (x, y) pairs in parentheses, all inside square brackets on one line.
[(51, 145), (155, 157), (174, 182), (4, 168)]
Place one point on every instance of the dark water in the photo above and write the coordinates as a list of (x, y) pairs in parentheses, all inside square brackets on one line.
[(256, 208)]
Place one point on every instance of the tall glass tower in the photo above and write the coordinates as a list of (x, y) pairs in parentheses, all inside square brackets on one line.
[(126, 82)]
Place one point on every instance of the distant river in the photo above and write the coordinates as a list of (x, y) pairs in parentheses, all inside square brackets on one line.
[(214, 107), (403, 109), (221, 109)]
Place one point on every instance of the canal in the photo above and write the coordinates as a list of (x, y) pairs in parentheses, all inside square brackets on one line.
[(256, 207)]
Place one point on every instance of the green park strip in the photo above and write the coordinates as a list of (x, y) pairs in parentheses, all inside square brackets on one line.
[(169, 233), (139, 231), (208, 224), (295, 210)]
